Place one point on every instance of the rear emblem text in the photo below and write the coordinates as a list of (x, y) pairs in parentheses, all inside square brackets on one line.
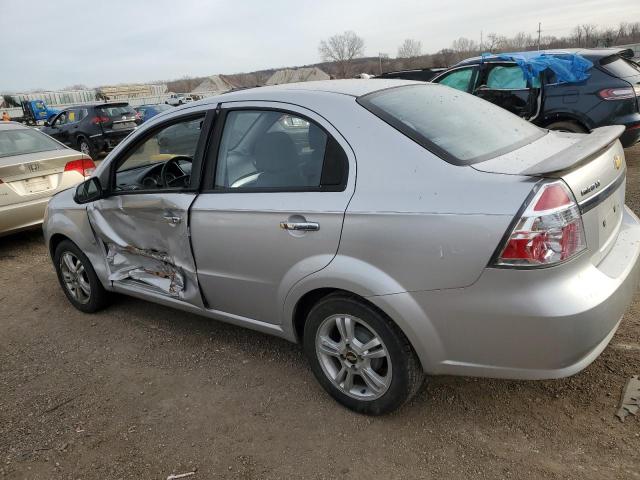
[(590, 188)]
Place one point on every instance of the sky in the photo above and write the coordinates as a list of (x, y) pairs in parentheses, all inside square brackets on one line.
[(55, 44)]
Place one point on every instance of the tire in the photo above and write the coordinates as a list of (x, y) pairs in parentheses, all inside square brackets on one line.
[(567, 126), (344, 366), (97, 297), (86, 146)]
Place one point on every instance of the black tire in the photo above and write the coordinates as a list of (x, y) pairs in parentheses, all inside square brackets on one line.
[(98, 297), (407, 374), (86, 146), (567, 126)]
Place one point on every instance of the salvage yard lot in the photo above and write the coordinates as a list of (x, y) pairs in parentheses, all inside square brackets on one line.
[(142, 391)]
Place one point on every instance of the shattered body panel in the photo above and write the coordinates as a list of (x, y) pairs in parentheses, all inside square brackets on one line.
[(150, 250)]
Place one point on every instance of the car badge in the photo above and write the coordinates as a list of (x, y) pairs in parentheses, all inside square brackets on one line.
[(617, 161), (33, 167)]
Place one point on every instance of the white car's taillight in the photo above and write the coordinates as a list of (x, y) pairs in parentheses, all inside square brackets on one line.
[(549, 231)]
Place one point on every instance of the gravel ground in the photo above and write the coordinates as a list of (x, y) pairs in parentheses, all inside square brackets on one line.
[(141, 391)]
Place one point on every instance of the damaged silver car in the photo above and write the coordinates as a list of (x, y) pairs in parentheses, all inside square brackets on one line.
[(394, 228)]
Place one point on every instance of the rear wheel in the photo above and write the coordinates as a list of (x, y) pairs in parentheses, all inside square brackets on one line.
[(86, 146), (567, 126), (78, 279), (359, 356)]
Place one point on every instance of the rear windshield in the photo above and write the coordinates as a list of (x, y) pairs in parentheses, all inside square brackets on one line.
[(620, 67), (458, 127), (117, 111), (24, 141)]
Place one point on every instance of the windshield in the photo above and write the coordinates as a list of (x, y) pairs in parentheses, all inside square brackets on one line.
[(458, 127), (24, 141)]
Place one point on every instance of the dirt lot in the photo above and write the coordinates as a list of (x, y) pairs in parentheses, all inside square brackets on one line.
[(140, 391)]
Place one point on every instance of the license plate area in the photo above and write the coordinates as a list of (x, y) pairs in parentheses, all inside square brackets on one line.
[(610, 216), (36, 184), (124, 125)]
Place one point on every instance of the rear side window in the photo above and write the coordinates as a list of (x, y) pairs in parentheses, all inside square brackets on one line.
[(459, 128), (508, 77), (274, 150), (620, 67)]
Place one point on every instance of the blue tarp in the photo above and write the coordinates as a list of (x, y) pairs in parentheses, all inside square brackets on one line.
[(568, 67)]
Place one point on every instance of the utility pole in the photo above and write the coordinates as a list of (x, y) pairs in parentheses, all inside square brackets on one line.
[(380, 57), (539, 32), (481, 41)]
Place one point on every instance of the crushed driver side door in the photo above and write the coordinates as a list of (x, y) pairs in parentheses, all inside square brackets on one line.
[(142, 224)]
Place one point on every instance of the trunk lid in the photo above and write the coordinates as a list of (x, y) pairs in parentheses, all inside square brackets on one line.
[(594, 168), (33, 176)]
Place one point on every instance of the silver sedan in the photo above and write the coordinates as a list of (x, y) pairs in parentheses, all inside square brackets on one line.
[(393, 228), (33, 167)]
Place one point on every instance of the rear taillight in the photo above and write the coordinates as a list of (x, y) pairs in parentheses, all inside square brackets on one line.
[(100, 119), (85, 166), (138, 116), (549, 231), (621, 93)]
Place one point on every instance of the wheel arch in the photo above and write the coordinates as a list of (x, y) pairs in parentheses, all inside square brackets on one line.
[(565, 117)]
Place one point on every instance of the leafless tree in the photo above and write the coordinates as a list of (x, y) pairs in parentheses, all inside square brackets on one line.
[(342, 49), (494, 42), (410, 48), (464, 45)]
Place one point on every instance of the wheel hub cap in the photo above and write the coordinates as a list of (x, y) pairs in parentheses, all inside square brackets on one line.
[(75, 277), (353, 357)]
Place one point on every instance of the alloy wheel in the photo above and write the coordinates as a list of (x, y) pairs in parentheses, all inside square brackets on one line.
[(353, 357), (75, 277)]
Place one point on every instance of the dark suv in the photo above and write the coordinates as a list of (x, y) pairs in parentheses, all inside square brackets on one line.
[(93, 128), (611, 95)]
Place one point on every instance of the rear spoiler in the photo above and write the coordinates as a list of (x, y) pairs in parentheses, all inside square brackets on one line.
[(581, 152)]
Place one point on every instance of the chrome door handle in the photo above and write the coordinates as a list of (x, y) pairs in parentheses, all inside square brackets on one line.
[(170, 219), (300, 226)]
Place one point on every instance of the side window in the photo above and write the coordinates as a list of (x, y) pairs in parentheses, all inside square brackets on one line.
[(61, 119), (161, 161), (271, 149), (458, 79), (509, 77)]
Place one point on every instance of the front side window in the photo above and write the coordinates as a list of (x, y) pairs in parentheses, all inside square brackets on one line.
[(263, 149), (458, 79), (461, 129), (162, 161)]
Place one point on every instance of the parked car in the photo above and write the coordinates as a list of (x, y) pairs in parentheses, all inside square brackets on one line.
[(33, 167), (149, 111), (421, 74), (176, 99), (473, 242), (94, 128), (611, 96)]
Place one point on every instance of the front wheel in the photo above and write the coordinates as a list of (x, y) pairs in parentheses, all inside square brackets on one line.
[(78, 279), (86, 147), (359, 356)]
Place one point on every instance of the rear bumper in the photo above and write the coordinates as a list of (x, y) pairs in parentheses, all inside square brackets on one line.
[(22, 216), (524, 324), (108, 140)]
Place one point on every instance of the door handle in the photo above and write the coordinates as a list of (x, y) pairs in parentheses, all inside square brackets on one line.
[(300, 226), (170, 219)]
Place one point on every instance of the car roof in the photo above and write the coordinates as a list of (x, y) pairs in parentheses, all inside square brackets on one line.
[(593, 54), (348, 87), (4, 126)]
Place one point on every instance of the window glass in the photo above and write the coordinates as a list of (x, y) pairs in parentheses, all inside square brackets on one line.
[(509, 77), (23, 141), (163, 160), (270, 149), (458, 79), (620, 67), (61, 119), (451, 124)]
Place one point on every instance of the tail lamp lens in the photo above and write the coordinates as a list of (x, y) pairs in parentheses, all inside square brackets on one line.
[(100, 119), (85, 167), (622, 93), (549, 231)]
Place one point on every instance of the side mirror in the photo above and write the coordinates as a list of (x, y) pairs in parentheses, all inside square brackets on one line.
[(46, 123), (88, 191)]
